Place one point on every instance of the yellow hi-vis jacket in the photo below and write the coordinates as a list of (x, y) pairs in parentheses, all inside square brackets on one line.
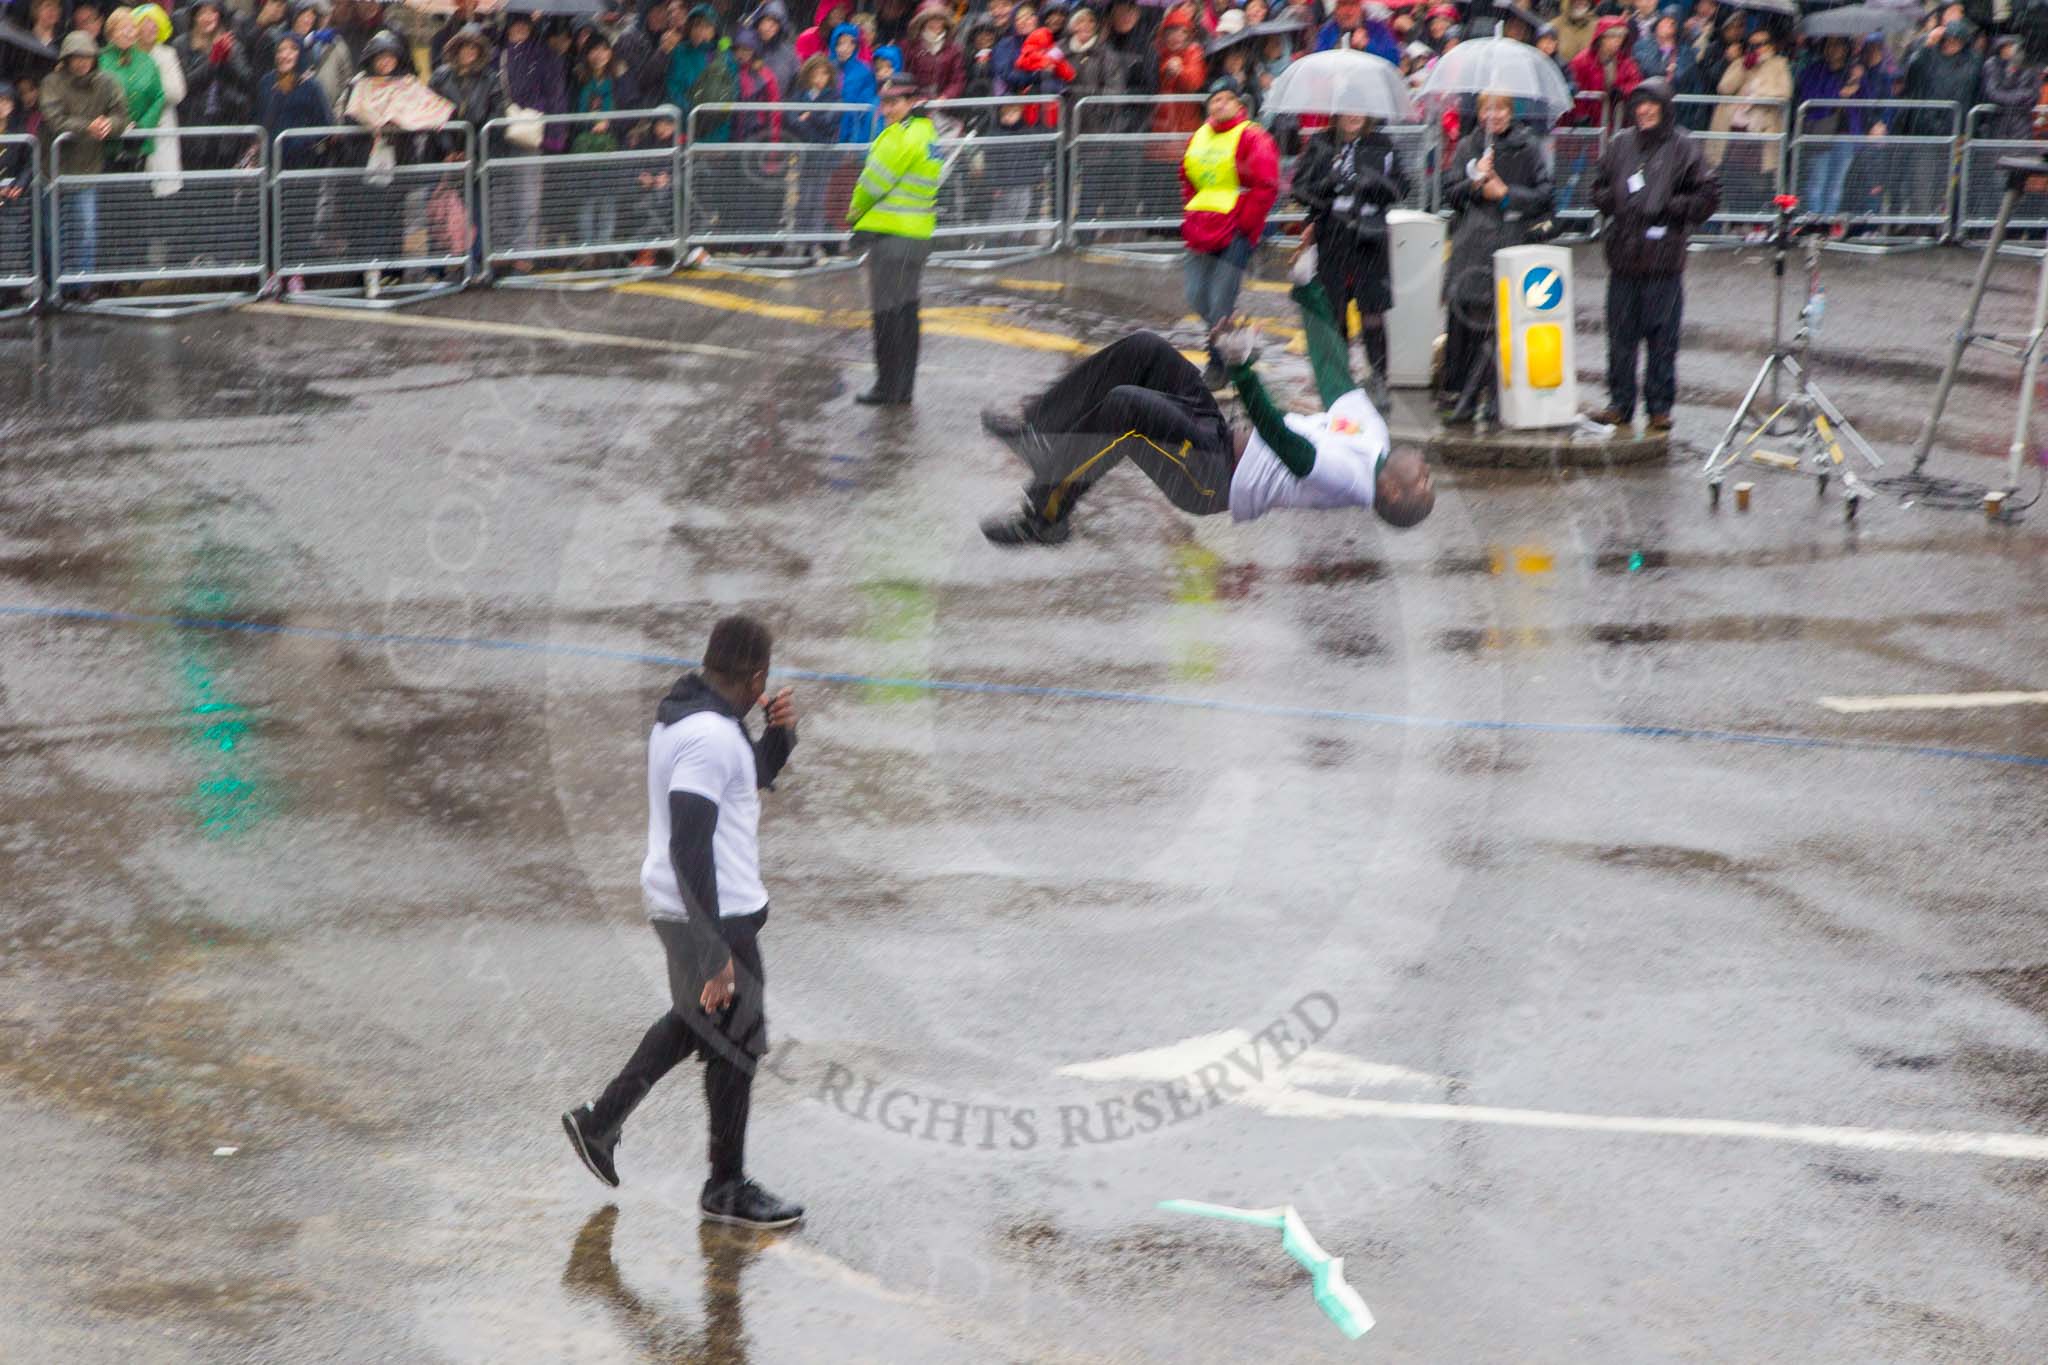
[(899, 187), (1211, 165)]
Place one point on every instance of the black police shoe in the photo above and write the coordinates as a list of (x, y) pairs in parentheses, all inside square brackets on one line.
[(593, 1148), (878, 398), (1027, 527), (747, 1205)]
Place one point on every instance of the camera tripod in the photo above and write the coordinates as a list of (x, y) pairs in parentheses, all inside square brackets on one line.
[(1806, 418)]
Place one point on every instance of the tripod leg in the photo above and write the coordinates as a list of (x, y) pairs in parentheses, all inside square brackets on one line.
[(1843, 425), (1968, 330), (1756, 385), (2024, 420)]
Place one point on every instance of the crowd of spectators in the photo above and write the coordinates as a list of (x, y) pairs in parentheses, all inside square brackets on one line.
[(296, 64)]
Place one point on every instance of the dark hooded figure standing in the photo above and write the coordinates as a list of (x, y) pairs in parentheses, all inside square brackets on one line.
[(702, 881), (1497, 183), (1654, 187)]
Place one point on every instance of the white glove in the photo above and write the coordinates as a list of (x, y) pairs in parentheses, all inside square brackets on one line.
[(1304, 268), (1236, 346)]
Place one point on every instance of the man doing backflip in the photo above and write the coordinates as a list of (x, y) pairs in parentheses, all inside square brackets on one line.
[(1141, 400), (702, 881)]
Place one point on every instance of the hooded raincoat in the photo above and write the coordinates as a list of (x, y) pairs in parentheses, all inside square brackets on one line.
[(1653, 187)]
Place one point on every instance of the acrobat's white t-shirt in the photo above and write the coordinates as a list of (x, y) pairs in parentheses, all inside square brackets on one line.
[(707, 754), (1350, 440)]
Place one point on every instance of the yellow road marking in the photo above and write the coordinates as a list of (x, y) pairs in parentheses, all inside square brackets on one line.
[(729, 301), (1034, 286), (521, 331)]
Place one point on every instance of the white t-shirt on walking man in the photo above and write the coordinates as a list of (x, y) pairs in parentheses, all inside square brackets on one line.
[(707, 754)]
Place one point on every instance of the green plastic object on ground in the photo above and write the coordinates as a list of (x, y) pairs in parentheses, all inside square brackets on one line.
[(1338, 1300)]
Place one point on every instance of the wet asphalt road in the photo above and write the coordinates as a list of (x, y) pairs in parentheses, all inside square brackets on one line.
[(341, 873)]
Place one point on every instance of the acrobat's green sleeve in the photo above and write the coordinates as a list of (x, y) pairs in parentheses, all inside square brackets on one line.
[(1329, 355)]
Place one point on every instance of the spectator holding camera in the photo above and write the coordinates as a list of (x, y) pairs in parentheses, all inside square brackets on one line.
[(220, 89)]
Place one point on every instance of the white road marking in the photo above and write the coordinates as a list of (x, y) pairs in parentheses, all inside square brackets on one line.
[(1932, 701), (1281, 1095), (2018, 1146), (1178, 1060)]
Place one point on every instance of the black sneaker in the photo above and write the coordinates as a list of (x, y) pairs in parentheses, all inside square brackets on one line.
[(1026, 527), (593, 1148), (1004, 424), (747, 1205)]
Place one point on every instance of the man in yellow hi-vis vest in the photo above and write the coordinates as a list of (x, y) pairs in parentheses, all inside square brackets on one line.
[(894, 209), (1229, 177)]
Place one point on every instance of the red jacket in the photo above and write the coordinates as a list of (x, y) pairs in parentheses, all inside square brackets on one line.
[(1258, 185), (1589, 77)]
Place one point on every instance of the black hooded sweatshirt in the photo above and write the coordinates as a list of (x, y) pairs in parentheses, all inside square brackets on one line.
[(692, 819), (1654, 188)]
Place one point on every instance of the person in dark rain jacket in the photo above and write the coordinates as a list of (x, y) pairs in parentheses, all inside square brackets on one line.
[(467, 81), (1498, 184), (2013, 84), (286, 99), (1347, 180), (1653, 187)]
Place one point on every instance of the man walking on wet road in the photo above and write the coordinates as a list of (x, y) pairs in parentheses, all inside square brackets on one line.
[(702, 880)]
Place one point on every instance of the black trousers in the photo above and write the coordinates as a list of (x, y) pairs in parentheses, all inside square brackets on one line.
[(731, 1042), (895, 275), (1643, 310), (1352, 270), (1137, 399), (1469, 364)]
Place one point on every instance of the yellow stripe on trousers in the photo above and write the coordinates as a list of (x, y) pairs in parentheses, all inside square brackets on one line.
[(1052, 503)]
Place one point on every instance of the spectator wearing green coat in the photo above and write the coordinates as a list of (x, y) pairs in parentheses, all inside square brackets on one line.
[(142, 85)]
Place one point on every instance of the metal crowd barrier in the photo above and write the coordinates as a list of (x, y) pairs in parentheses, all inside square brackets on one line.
[(202, 225), (1981, 186), (312, 208), (1124, 176), (1904, 181), (1003, 198), (343, 223), (775, 205), (1575, 158), (581, 207), (21, 227), (1751, 166)]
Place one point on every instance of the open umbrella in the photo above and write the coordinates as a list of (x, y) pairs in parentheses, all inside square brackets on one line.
[(1498, 66), (1766, 6), (1271, 28), (557, 7), (14, 35), (1342, 82), (1853, 21)]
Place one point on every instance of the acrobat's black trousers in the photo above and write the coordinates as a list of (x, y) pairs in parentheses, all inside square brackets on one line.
[(1138, 399)]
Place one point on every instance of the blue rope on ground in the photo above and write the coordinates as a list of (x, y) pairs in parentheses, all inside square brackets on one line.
[(1052, 693)]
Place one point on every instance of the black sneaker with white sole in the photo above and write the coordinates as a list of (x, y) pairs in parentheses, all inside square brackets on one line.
[(745, 1204), (593, 1148), (1028, 526)]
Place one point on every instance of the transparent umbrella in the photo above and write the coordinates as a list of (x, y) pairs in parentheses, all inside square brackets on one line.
[(1499, 66), (1854, 21), (1342, 82)]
